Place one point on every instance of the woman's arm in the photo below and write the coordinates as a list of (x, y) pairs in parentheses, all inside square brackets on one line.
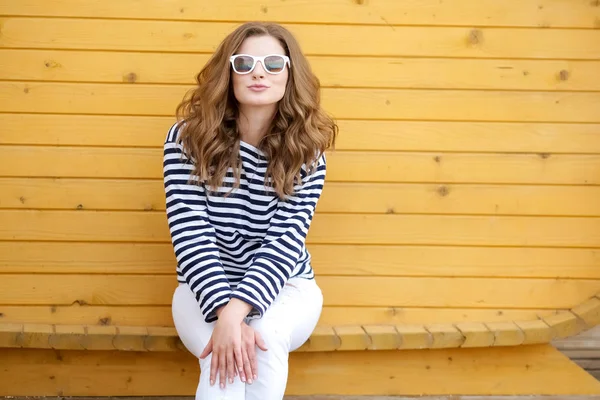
[(193, 237), (279, 253)]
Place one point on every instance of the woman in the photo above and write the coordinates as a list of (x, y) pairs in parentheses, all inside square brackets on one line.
[(244, 167)]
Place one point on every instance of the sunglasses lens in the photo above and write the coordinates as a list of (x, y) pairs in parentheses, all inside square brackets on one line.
[(274, 64), (243, 64)]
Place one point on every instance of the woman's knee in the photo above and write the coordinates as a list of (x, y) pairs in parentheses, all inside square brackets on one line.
[(276, 335)]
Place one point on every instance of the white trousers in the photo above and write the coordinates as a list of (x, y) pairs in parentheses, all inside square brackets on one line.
[(285, 326)]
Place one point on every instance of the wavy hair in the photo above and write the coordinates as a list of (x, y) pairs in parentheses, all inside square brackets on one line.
[(299, 133)]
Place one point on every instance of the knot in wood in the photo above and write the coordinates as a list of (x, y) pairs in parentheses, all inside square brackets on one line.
[(475, 36)]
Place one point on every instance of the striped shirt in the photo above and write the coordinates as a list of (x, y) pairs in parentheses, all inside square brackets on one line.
[(243, 246)]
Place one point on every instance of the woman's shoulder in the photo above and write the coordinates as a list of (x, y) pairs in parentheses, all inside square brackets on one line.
[(316, 168), (174, 132)]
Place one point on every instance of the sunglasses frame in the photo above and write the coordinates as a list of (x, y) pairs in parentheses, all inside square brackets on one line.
[(256, 59)]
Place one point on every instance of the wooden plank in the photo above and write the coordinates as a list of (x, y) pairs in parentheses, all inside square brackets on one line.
[(589, 312), (398, 72), (198, 37), (36, 336), (430, 104), (343, 166), (161, 315), (519, 370), (414, 336), (323, 338), (476, 334), (352, 337), (11, 335), (536, 331), (445, 335), (506, 333), (375, 198), (529, 13), (139, 131), (564, 324), (358, 229), (105, 290), (350, 260), (382, 337), (100, 337)]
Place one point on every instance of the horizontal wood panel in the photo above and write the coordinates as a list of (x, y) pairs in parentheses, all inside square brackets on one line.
[(147, 131), (117, 67), (325, 229), (180, 36), (162, 316), (364, 260), (118, 99), (343, 166), (379, 198), (538, 369), (527, 13), (34, 289)]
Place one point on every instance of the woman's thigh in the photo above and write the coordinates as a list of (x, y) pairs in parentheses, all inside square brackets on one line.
[(294, 314), (189, 322)]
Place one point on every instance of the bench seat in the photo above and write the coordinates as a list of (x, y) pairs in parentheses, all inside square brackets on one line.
[(560, 325)]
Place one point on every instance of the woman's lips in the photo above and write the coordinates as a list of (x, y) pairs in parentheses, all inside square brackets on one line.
[(258, 88)]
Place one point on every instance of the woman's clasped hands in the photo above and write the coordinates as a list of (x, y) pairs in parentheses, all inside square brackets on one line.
[(233, 345)]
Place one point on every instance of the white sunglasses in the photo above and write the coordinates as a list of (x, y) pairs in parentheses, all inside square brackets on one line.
[(272, 63)]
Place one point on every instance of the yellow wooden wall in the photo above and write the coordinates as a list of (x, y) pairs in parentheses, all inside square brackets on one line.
[(465, 185)]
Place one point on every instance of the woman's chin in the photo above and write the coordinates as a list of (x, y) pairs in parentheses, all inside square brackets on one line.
[(257, 102)]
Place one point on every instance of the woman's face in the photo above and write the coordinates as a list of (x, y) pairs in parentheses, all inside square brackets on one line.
[(259, 88)]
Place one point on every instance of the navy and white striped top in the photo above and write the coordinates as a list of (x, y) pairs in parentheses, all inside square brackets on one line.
[(242, 246)]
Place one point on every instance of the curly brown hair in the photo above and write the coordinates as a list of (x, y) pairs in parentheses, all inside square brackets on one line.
[(301, 131)]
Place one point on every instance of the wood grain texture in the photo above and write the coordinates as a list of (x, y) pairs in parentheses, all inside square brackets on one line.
[(185, 36), (537, 370), (361, 135), (103, 315), (377, 198), (343, 166), (324, 338), (528, 13), (356, 229), (348, 260), (416, 104), (392, 72), (25, 289)]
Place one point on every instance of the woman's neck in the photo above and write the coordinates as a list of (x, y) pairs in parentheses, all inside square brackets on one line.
[(254, 122)]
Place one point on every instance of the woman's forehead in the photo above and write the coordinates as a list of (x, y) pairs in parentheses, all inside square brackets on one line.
[(261, 46)]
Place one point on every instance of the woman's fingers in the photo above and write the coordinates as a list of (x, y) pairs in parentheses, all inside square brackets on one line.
[(247, 365), (253, 361), (239, 362), (214, 367), (260, 342), (230, 363), (207, 349), (222, 367)]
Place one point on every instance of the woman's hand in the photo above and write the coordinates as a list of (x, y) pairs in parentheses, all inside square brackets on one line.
[(250, 339), (226, 342)]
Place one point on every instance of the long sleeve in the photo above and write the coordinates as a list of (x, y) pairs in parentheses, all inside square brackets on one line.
[(276, 259), (193, 237)]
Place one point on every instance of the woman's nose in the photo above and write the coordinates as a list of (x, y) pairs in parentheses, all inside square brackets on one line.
[(258, 69)]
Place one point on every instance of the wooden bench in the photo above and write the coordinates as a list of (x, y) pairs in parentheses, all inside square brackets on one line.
[(455, 242), (516, 348), (546, 329)]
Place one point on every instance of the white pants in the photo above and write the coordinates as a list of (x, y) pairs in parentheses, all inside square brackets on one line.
[(284, 327)]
